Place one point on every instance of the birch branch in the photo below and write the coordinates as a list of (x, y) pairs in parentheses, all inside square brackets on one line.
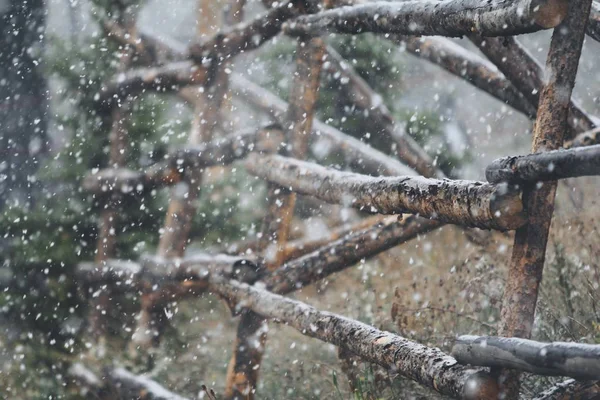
[(528, 255), (579, 361), (357, 154), (546, 166), (524, 71), (451, 18), (571, 390), (468, 66), (131, 386), (459, 202), (427, 366)]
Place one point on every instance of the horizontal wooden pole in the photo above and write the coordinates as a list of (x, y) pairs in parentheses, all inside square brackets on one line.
[(580, 361), (546, 166), (358, 155), (466, 203), (468, 66), (425, 365), (154, 269), (222, 151), (452, 18)]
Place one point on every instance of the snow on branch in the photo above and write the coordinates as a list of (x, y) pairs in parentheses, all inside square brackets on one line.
[(466, 203), (427, 366), (546, 166), (452, 18), (579, 361)]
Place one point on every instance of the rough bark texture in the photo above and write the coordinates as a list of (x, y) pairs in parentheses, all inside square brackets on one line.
[(571, 390), (527, 261), (580, 361), (523, 70), (365, 98), (358, 156), (468, 66), (427, 366), (547, 166), (451, 18), (466, 203), (345, 252)]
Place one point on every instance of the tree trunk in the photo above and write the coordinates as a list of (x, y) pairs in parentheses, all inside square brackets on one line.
[(452, 18), (571, 390), (527, 261), (466, 203)]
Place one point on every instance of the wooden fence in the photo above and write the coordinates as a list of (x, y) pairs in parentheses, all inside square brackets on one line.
[(565, 144)]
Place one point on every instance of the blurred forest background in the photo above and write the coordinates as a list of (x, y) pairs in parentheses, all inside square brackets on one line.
[(54, 57)]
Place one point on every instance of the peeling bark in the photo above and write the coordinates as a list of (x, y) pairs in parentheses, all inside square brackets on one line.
[(459, 202), (524, 71), (357, 154), (547, 166), (364, 98), (527, 261), (452, 18), (468, 66), (427, 366), (579, 361), (571, 390)]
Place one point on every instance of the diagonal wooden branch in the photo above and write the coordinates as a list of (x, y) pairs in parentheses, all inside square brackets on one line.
[(452, 18), (524, 71), (460, 202), (365, 98), (468, 66), (220, 151), (527, 261), (346, 251), (357, 154), (571, 390), (547, 166), (427, 366), (580, 361), (593, 27)]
